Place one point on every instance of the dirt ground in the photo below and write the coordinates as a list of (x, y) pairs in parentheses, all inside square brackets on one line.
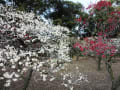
[(97, 80)]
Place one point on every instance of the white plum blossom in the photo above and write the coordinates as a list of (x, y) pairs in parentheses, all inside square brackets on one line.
[(1, 64), (7, 84), (53, 78), (7, 75), (44, 77)]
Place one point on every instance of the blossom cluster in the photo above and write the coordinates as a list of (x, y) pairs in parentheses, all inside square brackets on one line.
[(99, 47), (100, 5)]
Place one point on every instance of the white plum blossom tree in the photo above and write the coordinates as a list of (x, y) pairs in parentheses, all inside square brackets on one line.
[(26, 42)]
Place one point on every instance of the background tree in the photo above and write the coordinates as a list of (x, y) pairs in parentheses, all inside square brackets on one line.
[(64, 12), (103, 17), (61, 12)]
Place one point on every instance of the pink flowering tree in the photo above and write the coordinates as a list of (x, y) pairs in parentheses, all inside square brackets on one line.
[(104, 51), (103, 17), (100, 47), (105, 20)]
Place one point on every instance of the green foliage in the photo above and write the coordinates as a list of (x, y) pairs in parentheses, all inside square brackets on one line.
[(2, 1), (64, 13)]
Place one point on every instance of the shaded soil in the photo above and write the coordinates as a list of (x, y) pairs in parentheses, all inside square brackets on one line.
[(97, 80)]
